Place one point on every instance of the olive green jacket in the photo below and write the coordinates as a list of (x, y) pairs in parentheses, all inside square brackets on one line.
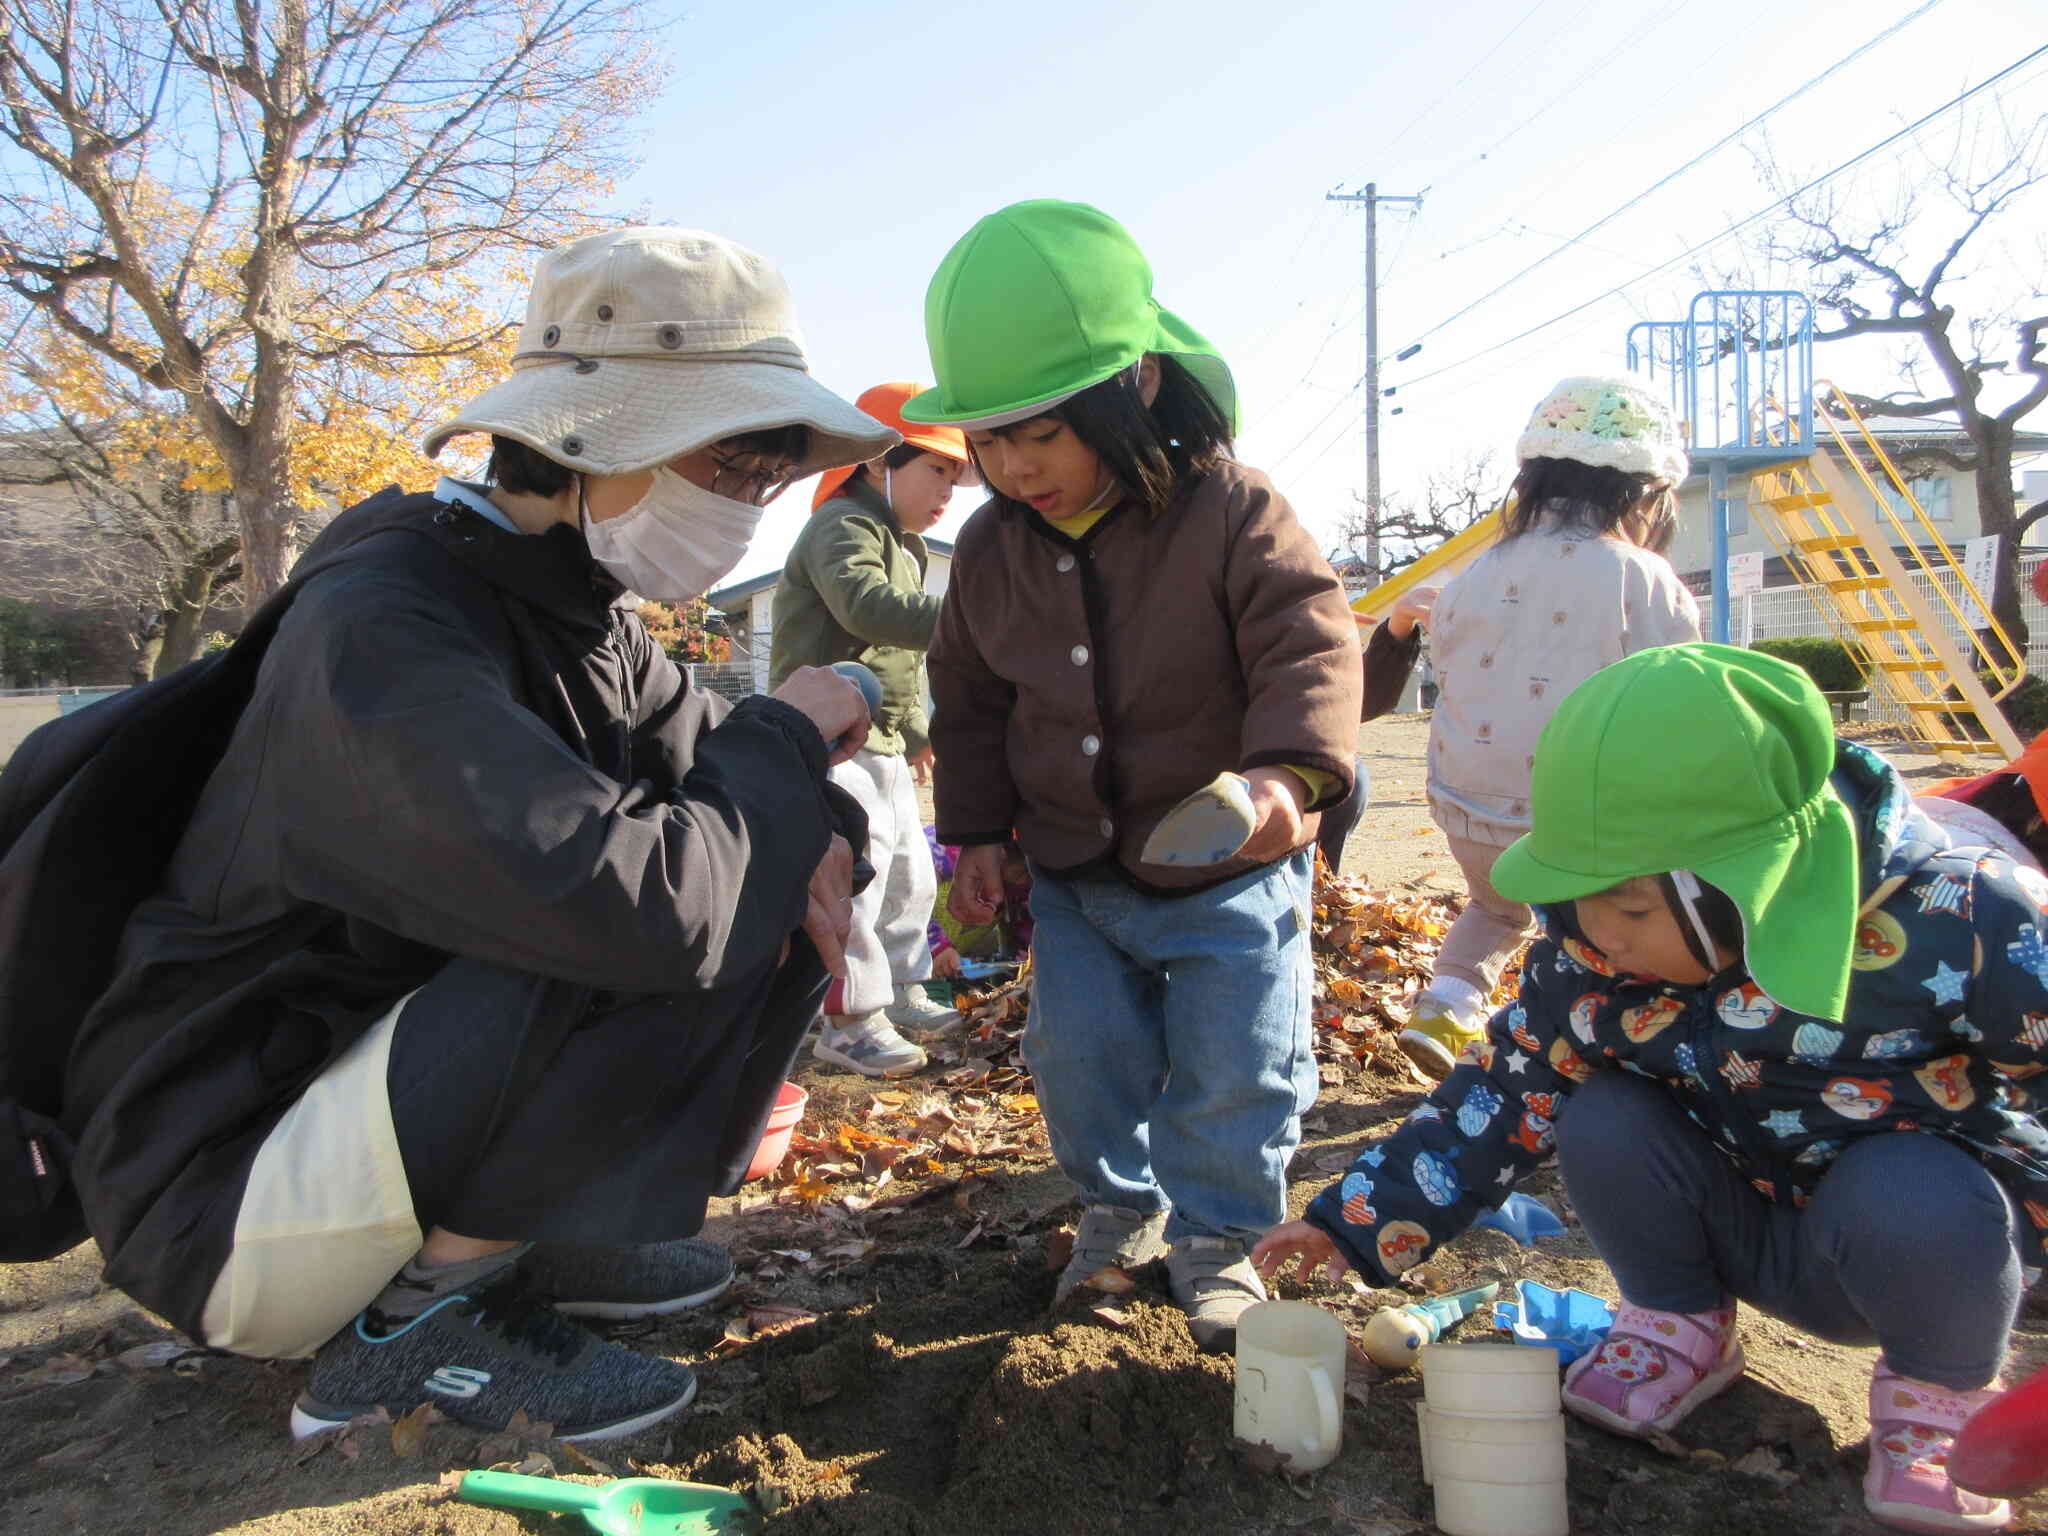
[(853, 590)]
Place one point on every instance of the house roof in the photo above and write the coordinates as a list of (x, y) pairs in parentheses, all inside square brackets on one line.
[(725, 598), (1943, 430)]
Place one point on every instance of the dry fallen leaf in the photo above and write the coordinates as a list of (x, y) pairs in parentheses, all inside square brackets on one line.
[(80, 1452), (58, 1371), (1111, 1281), (409, 1434), (1116, 1317), (159, 1352), (773, 1317), (1058, 1249), (585, 1460)]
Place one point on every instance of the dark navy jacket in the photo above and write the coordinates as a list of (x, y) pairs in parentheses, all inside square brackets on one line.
[(1947, 1015)]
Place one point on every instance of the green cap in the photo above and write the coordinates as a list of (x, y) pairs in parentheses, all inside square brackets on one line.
[(1712, 759), (1036, 303)]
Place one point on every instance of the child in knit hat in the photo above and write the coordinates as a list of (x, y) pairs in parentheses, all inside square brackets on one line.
[(1578, 580), (1775, 1032)]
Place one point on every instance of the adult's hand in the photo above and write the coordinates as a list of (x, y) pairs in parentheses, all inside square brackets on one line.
[(828, 918), (1278, 795), (1304, 1241), (977, 883), (921, 766), (834, 705)]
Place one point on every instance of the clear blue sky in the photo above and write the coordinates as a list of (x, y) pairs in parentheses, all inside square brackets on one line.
[(854, 144)]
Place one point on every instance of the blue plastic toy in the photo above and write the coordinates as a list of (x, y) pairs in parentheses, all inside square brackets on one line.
[(1570, 1322), (1524, 1218)]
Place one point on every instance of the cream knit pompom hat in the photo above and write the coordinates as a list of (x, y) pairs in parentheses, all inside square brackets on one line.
[(1609, 424)]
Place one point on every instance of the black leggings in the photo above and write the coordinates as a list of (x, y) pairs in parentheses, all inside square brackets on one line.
[(621, 1133)]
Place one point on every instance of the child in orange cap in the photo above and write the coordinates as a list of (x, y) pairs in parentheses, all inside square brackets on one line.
[(853, 590)]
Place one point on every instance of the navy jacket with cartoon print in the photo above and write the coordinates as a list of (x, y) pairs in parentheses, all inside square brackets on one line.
[(1947, 1013)]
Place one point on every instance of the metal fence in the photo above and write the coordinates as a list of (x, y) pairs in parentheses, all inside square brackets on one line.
[(1777, 612), (733, 679)]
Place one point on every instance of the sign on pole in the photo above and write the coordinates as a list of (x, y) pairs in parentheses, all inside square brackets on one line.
[(1746, 573), (1980, 564)]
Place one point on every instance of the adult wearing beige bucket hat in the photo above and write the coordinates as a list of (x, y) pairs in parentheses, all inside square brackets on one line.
[(491, 938)]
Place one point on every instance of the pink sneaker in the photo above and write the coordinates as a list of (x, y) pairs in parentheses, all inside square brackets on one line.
[(1912, 1425), (1654, 1368)]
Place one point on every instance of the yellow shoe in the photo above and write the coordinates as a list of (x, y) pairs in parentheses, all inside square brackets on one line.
[(1437, 1035)]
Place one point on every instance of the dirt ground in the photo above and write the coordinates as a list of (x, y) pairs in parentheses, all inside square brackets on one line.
[(888, 1363)]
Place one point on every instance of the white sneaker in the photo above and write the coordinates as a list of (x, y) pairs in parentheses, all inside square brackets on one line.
[(868, 1044), (916, 1012)]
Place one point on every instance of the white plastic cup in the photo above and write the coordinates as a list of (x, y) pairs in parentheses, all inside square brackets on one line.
[(1422, 1438), (1290, 1381), (1498, 1380)]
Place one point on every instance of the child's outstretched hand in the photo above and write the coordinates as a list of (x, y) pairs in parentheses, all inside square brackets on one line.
[(1304, 1241)]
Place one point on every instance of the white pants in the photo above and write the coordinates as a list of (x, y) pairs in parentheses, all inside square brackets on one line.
[(888, 945)]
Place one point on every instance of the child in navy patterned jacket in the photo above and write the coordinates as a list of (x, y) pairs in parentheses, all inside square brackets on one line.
[(1760, 963)]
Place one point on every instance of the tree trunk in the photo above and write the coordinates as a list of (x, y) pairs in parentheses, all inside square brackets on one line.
[(1998, 512), (149, 646), (182, 636), (263, 508)]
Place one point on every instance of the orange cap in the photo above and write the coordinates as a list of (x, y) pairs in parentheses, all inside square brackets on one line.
[(885, 403)]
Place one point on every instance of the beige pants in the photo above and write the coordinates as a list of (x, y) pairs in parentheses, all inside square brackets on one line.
[(326, 1219), (1490, 929)]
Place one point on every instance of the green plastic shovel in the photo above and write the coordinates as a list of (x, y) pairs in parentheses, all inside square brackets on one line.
[(632, 1506)]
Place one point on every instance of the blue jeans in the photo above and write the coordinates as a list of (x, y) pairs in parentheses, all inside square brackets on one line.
[(1170, 1043)]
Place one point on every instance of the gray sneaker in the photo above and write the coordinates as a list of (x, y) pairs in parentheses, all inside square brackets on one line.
[(1213, 1280), (481, 1356), (620, 1281), (1111, 1234), (868, 1044), (914, 1012)]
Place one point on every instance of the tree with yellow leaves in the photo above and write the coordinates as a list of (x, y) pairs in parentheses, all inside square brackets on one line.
[(288, 219)]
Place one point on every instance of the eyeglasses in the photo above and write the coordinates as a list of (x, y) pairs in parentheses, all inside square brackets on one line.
[(750, 475)]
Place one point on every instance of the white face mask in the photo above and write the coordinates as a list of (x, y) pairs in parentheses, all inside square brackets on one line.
[(675, 543)]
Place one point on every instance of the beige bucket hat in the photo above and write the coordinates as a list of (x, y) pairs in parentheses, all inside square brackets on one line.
[(648, 342)]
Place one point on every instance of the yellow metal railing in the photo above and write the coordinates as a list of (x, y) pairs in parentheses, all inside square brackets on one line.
[(1879, 578)]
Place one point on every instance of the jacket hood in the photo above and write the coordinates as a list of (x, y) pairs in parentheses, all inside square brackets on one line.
[(1894, 837), (552, 571)]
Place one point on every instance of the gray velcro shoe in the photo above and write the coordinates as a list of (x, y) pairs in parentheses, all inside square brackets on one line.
[(867, 1043), (1213, 1280), (915, 1012), (620, 1281), (483, 1355), (1111, 1234)]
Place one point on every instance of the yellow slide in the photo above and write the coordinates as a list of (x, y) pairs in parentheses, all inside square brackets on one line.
[(1439, 565)]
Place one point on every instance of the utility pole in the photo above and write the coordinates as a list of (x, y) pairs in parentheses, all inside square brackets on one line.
[(1372, 197)]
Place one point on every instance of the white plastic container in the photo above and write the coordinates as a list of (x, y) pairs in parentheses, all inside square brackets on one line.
[(1470, 1447), (1465, 1508), (1290, 1381), (1497, 1380)]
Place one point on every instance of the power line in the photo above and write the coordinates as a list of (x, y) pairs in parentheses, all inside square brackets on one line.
[(1740, 224), (1456, 86), (1715, 148)]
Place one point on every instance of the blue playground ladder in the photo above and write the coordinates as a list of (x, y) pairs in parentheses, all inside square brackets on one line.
[(1738, 371)]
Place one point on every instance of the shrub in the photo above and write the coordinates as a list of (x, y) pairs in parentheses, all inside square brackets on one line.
[(2026, 707), (1826, 660)]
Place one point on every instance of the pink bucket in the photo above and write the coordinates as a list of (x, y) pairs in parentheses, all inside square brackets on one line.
[(782, 1119)]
